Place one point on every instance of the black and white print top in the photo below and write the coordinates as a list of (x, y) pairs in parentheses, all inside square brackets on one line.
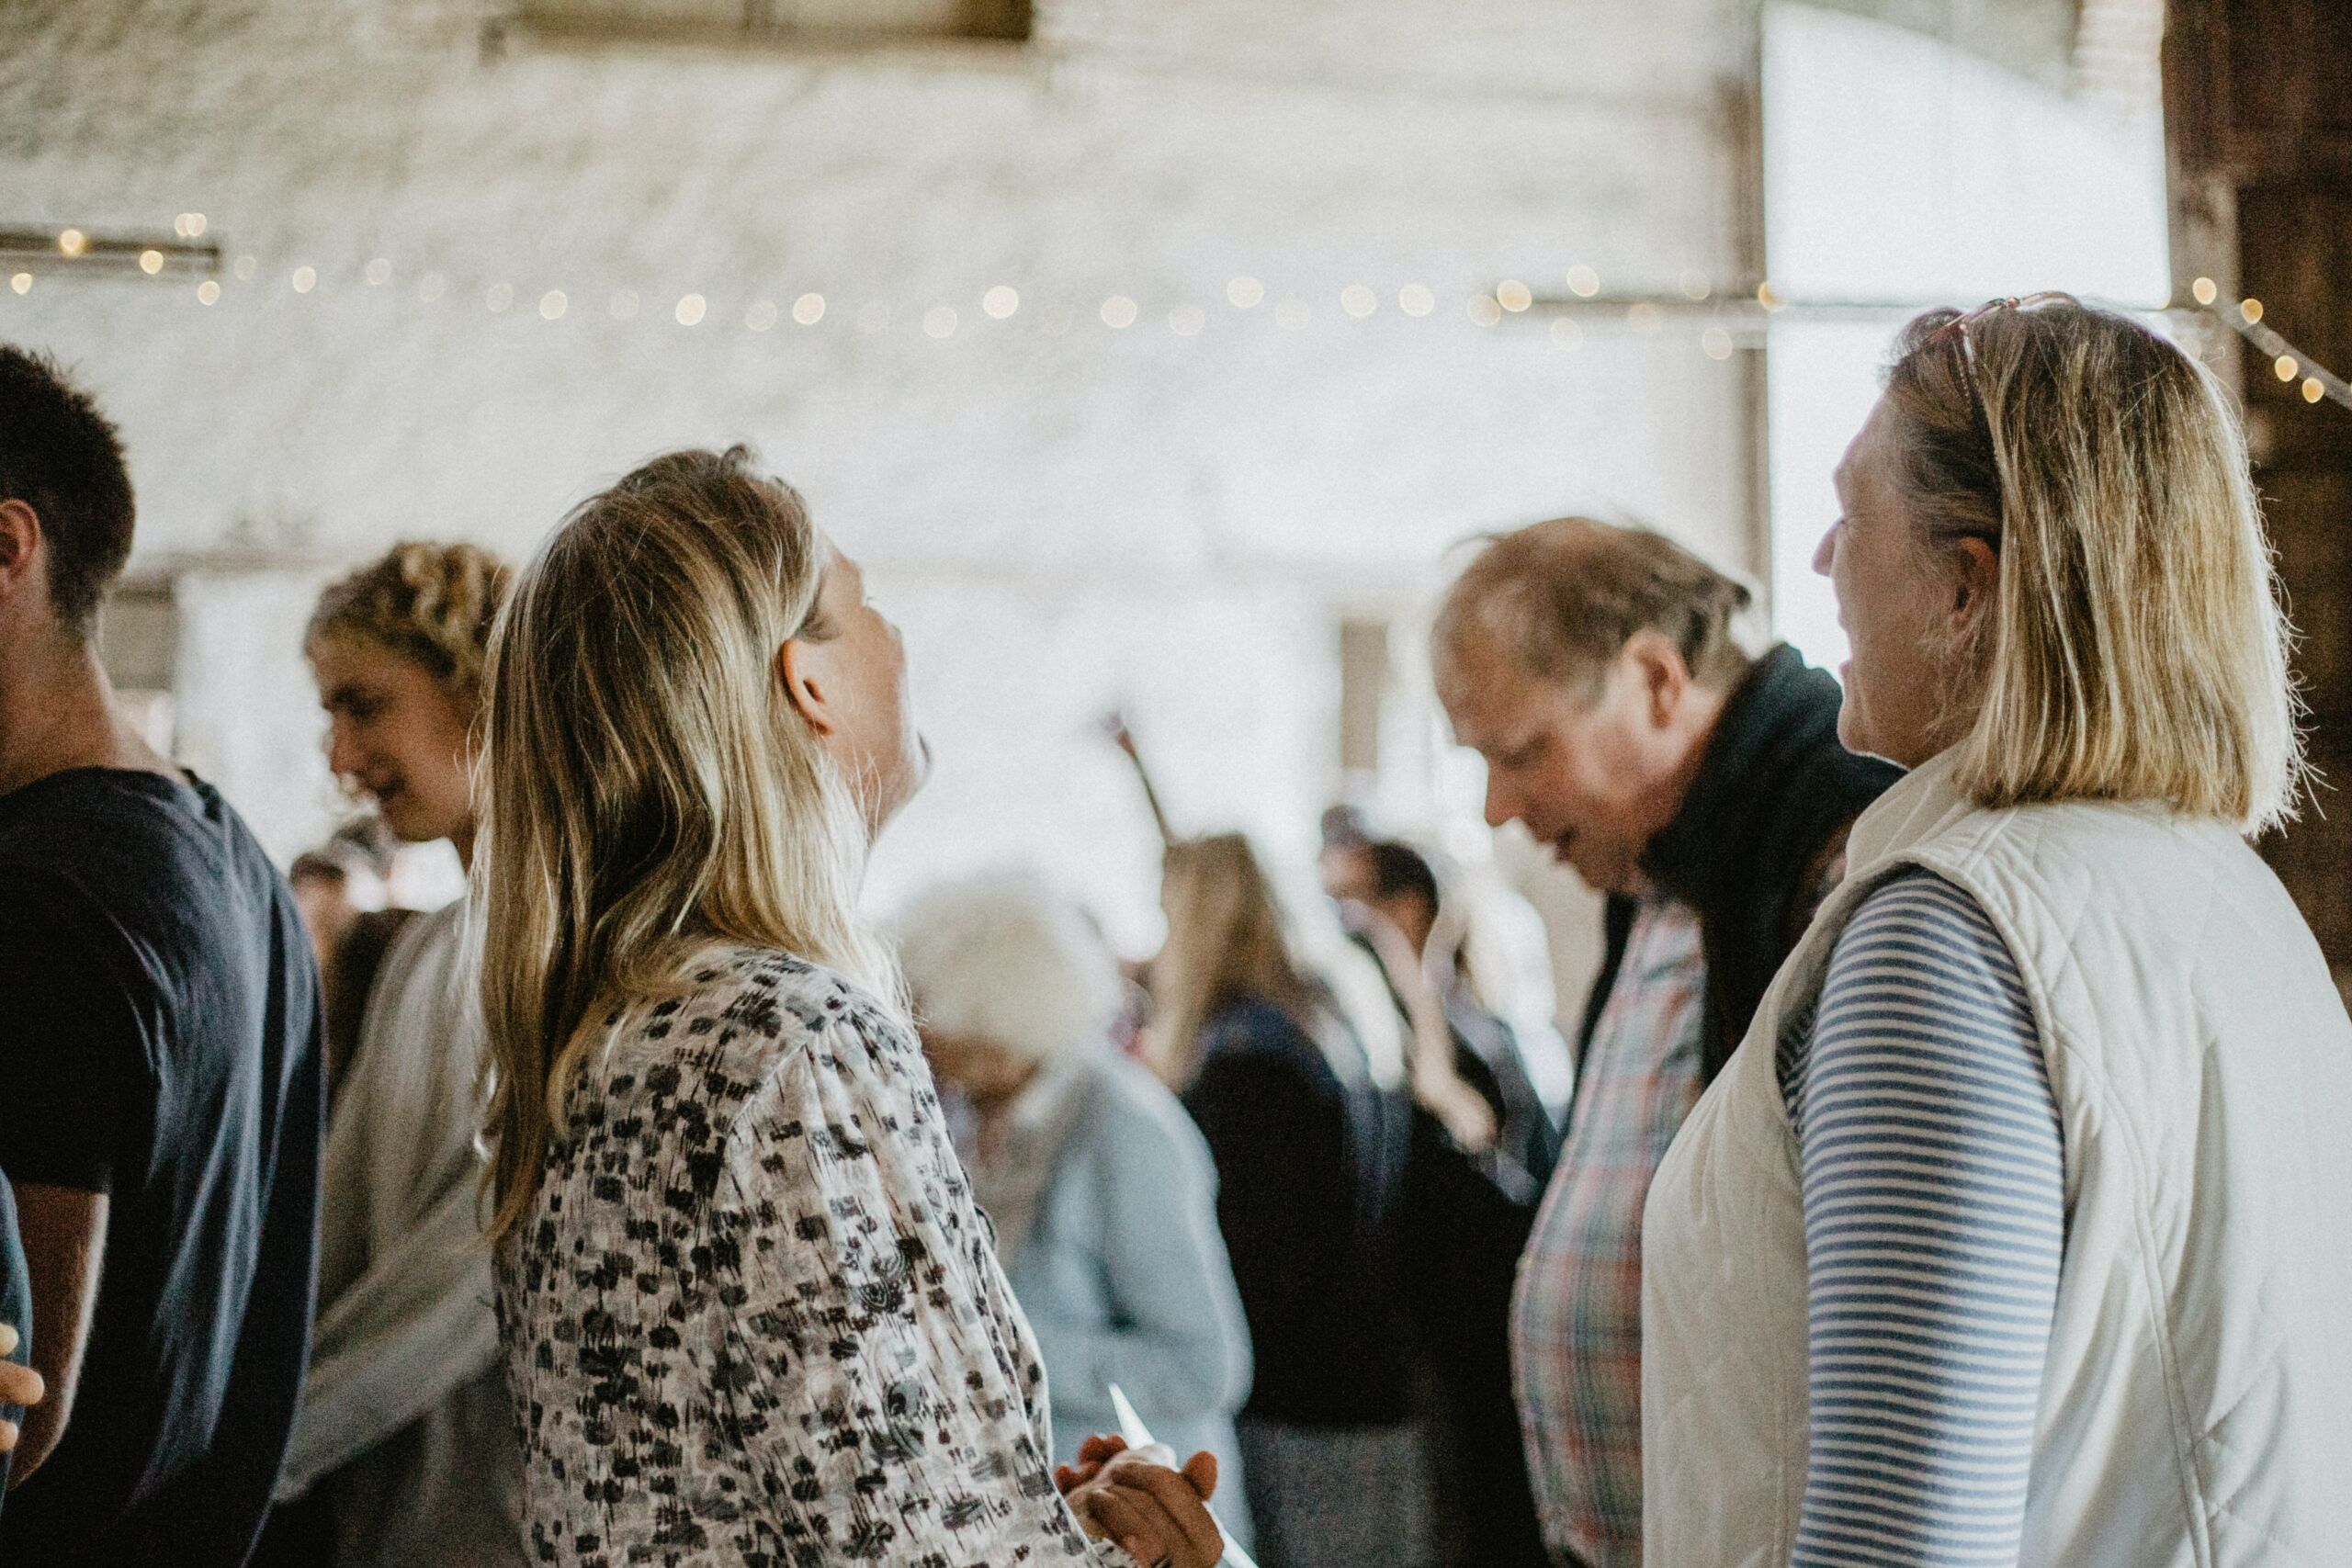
[(756, 1319)]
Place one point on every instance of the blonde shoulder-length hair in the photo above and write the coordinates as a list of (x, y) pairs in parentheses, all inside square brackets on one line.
[(2134, 650), (650, 790)]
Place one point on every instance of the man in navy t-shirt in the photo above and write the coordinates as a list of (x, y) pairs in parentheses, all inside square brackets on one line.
[(160, 1086)]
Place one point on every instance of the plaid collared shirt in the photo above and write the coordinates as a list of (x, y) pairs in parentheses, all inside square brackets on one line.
[(1576, 1315)]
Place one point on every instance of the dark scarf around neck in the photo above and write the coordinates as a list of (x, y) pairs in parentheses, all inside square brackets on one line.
[(1767, 815)]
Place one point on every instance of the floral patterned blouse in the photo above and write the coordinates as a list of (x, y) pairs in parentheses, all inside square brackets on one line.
[(754, 1317)]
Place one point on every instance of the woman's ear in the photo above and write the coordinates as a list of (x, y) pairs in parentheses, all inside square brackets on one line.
[(1975, 582), (800, 671)]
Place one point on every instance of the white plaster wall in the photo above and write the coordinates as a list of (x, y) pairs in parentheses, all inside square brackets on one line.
[(1059, 513)]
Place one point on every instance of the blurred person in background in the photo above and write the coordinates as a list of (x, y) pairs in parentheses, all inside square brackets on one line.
[(334, 889), (1495, 953), (744, 1288), (1594, 668), (1469, 1201), (161, 1092), (1418, 934), (405, 1436), (1294, 1071), (1102, 1193), (340, 888)]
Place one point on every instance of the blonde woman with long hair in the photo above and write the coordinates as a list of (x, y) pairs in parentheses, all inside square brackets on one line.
[(1288, 1056), (750, 1312), (2015, 1231)]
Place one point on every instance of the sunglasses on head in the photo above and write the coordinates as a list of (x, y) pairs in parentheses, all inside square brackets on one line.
[(1958, 326)]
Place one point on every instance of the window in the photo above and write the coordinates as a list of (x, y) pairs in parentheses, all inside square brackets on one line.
[(138, 636), (775, 21), (1902, 173)]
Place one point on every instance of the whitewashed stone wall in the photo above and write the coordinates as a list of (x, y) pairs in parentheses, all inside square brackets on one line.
[(1061, 513)]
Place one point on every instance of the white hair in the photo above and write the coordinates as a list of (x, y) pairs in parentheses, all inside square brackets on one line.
[(1003, 957)]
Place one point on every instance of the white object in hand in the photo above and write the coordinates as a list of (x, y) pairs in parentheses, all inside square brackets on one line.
[(1139, 1437)]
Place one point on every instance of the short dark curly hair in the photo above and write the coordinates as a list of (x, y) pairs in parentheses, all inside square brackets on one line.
[(61, 457)]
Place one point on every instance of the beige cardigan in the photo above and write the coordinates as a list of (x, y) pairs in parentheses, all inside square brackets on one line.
[(404, 1423)]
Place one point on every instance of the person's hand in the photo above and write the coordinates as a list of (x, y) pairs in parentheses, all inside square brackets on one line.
[(1436, 1085), (1449, 937), (1159, 1515), (18, 1385), (1093, 1455)]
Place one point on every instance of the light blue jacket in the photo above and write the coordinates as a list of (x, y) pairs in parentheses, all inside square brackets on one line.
[(1124, 1275)]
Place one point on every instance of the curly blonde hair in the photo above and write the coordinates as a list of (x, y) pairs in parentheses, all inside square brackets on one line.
[(426, 601)]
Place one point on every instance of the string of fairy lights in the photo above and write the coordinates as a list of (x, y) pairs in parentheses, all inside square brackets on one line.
[(74, 250), (1724, 317), (2289, 364)]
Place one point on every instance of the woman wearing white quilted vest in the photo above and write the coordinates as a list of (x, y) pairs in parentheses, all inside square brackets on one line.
[(2019, 1230)]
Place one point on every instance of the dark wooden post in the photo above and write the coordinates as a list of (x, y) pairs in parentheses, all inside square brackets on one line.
[(2258, 104)]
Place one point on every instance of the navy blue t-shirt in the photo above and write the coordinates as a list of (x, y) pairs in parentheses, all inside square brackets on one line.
[(160, 1042)]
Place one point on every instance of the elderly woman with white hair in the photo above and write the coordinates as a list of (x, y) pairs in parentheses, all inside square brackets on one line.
[(1099, 1187)]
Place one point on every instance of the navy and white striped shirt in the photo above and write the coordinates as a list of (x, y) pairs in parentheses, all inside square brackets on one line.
[(1935, 1221)]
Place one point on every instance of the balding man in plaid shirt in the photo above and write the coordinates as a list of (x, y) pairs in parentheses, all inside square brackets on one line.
[(1594, 668)]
